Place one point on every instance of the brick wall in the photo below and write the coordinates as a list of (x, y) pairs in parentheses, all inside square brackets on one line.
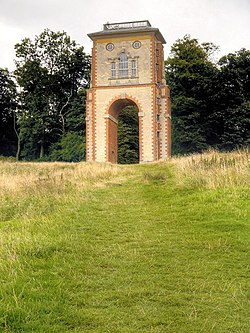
[(109, 95)]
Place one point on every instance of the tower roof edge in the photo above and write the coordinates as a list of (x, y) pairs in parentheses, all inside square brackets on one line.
[(116, 32)]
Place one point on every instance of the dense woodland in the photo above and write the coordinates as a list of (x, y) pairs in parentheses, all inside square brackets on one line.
[(42, 103)]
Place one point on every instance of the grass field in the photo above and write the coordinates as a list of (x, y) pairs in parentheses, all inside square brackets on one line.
[(157, 248)]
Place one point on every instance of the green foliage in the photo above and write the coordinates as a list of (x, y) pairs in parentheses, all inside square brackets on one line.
[(189, 68), (75, 115), (190, 74), (210, 102), (7, 158), (7, 113), (52, 71), (128, 136), (233, 99), (71, 148), (188, 132)]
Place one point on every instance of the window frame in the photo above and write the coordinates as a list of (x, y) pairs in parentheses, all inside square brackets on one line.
[(133, 68), (123, 65), (113, 70), (136, 44), (110, 47)]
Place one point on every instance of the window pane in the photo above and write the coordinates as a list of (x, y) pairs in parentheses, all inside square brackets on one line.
[(123, 65), (113, 70), (133, 68)]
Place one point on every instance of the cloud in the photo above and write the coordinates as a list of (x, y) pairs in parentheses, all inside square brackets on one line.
[(27, 13), (223, 22), (9, 35)]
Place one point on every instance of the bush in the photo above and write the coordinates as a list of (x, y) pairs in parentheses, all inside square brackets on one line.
[(7, 158), (71, 148)]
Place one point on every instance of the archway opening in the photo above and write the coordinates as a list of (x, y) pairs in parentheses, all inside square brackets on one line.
[(128, 136), (123, 132)]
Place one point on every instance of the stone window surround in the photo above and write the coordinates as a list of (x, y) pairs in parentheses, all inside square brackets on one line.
[(123, 65), (116, 61)]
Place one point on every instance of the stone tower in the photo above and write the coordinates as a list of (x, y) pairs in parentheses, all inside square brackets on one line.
[(128, 69)]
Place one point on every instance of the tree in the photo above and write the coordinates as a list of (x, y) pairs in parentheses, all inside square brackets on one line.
[(128, 136), (51, 70), (71, 148), (7, 113), (232, 99), (190, 74)]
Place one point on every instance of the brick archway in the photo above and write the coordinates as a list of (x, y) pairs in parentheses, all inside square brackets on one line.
[(138, 80), (112, 114)]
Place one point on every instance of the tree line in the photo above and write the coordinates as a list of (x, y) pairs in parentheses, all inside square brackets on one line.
[(42, 103), (210, 100)]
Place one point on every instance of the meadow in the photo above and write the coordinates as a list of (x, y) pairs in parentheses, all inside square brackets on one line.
[(98, 248)]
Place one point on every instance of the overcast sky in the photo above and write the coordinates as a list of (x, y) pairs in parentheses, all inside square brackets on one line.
[(226, 23)]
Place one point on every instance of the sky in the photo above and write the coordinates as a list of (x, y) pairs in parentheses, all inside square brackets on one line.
[(225, 23)]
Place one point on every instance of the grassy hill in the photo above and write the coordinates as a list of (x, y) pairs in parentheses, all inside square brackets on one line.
[(158, 248)]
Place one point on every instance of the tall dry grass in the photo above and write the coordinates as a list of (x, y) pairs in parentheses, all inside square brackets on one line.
[(37, 189), (213, 169), (36, 178)]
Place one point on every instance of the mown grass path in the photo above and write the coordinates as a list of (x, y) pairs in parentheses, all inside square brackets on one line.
[(141, 255)]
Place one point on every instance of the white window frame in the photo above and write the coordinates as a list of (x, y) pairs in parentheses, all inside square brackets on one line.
[(133, 68), (123, 65), (113, 70)]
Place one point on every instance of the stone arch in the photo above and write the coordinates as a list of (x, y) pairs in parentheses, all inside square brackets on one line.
[(112, 112)]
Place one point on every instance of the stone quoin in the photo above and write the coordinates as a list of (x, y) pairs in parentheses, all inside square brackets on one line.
[(128, 69)]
